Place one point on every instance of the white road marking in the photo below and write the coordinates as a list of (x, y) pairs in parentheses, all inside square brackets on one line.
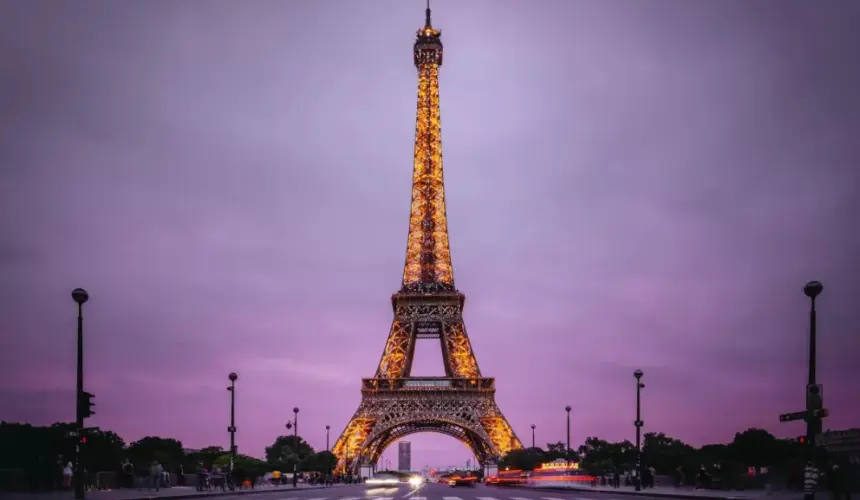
[(413, 492), (552, 498), (451, 498), (383, 498), (344, 498), (485, 498), (522, 498)]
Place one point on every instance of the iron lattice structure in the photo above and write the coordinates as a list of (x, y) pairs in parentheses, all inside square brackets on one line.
[(394, 404)]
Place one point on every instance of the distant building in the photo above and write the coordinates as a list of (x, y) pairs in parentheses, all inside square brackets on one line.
[(842, 444), (404, 456)]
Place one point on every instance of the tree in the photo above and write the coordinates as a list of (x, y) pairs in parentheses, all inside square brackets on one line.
[(207, 456), (664, 453), (103, 450), (598, 454), (288, 451), (756, 448), (167, 451), (524, 459), (558, 450), (324, 461)]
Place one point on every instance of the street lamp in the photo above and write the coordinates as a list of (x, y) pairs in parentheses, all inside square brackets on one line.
[(296, 442), (638, 423), (533, 435), (232, 428), (327, 427), (567, 409), (813, 421), (80, 296)]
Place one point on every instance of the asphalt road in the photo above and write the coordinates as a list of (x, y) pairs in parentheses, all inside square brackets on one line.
[(432, 492)]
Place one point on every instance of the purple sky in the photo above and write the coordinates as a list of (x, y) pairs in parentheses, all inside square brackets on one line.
[(630, 185)]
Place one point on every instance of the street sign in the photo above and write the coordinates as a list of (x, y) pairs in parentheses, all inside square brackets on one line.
[(72, 434), (790, 417)]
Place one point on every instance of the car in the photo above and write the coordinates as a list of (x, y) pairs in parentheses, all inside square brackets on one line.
[(384, 478), (454, 481)]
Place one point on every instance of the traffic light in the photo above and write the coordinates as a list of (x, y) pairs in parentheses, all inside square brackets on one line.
[(801, 440), (85, 405)]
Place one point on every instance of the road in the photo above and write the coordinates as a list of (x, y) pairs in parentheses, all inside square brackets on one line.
[(433, 492)]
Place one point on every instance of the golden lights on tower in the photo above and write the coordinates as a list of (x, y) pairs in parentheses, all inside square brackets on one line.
[(428, 256)]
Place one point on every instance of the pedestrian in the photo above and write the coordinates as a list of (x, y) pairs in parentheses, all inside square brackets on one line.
[(837, 483), (67, 476), (155, 473), (127, 474)]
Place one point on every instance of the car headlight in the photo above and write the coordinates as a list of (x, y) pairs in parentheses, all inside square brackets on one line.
[(415, 481)]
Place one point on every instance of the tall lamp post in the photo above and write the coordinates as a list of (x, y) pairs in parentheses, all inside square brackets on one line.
[(327, 428), (638, 423), (232, 428), (296, 441), (80, 296), (813, 396), (533, 435), (567, 409)]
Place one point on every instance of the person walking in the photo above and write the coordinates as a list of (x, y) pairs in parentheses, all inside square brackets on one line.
[(68, 472), (155, 474)]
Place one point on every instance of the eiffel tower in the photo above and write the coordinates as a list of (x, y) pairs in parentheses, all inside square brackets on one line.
[(395, 404)]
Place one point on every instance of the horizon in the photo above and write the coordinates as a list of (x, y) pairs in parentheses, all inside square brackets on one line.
[(627, 187)]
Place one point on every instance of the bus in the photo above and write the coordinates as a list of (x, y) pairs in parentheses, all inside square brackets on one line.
[(560, 472), (508, 477)]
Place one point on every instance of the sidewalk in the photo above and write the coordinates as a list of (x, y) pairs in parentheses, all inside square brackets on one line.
[(173, 493), (672, 492)]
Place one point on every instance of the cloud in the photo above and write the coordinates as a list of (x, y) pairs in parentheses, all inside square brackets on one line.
[(287, 368)]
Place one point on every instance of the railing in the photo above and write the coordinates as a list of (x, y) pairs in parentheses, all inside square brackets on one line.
[(428, 384)]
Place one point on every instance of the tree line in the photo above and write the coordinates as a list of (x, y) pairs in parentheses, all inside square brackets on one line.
[(752, 448), (33, 448), (37, 451)]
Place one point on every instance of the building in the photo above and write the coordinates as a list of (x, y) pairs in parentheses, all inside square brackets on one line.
[(842, 445), (404, 456)]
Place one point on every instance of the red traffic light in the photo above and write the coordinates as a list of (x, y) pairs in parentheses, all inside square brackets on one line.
[(801, 439), (83, 440)]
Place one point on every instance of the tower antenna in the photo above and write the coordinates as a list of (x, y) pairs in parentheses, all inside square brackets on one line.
[(427, 15)]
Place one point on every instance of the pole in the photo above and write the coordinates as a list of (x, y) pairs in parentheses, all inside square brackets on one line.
[(296, 444), (79, 421), (327, 448), (811, 421), (567, 409), (533, 435), (638, 435), (638, 424), (232, 424)]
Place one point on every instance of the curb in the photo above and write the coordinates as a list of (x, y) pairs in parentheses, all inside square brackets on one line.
[(642, 493), (210, 494)]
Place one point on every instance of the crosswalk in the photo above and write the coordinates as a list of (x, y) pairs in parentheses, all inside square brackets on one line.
[(371, 496)]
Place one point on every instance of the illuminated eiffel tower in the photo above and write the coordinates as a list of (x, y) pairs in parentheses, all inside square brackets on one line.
[(394, 404)]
